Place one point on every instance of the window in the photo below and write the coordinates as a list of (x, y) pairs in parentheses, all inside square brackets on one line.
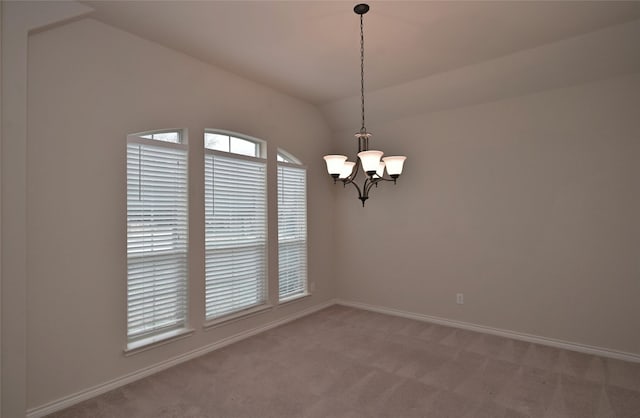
[(292, 228), (157, 204), (232, 144), (235, 225), (166, 136)]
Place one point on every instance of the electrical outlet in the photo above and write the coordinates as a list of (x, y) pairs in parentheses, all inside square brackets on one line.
[(460, 298)]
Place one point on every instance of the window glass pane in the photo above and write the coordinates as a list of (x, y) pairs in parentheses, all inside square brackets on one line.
[(235, 145), (172, 136), (285, 157), (244, 147), (216, 142)]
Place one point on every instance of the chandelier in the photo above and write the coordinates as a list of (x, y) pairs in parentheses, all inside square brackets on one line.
[(371, 162)]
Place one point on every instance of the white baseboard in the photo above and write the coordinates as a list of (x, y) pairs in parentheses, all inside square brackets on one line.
[(582, 348), (94, 391)]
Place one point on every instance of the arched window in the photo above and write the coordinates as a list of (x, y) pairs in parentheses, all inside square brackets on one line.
[(157, 222), (292, 227), (235, 223), (230, 142)]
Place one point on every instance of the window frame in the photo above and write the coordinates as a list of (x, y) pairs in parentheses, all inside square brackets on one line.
[(293, 162), (288, 158), (211, 321), (181, 136), (261, 144), (164, 334), (271, 286)]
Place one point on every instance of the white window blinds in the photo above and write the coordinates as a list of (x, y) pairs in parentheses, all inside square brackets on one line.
[(235, 233), (156, 237), (292, 231)]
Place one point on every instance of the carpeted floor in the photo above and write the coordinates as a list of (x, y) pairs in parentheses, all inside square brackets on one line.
[(345, 362)]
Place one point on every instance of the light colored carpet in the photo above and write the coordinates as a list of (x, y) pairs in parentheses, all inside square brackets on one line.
[(345, 362)]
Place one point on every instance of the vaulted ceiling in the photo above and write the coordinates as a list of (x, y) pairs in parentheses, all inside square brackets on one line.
[(310, 49)]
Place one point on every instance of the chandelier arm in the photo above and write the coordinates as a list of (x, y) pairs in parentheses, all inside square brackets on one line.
[(385, 179), (356, 169), (354, 173), (371, 183), (354, 184)]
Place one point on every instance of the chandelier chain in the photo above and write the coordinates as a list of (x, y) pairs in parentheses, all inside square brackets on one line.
[(362, 130)]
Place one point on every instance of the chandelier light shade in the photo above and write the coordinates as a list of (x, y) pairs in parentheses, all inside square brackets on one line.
[(370, 162), (394, 165), (347, 169), (335, 164)]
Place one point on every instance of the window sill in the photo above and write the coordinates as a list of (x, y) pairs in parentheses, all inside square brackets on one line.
[(227, 319), (157, 340), (293, 299)]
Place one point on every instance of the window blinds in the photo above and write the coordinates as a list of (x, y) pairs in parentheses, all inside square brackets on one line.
[(235, 233), (156, 238), (292, 231)]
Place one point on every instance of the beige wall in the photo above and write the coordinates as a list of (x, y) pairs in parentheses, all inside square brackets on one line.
[(529, 206), (18, 18), (89, 86)]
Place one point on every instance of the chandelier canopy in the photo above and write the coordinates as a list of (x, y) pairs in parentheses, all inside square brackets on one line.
[(371, 162)]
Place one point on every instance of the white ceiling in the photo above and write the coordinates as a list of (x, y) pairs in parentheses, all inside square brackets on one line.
[(310, 49)]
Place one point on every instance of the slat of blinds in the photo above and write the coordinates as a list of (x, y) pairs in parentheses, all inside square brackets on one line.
[(168, 285), (235, 234), (156, 239), (292, 231)]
